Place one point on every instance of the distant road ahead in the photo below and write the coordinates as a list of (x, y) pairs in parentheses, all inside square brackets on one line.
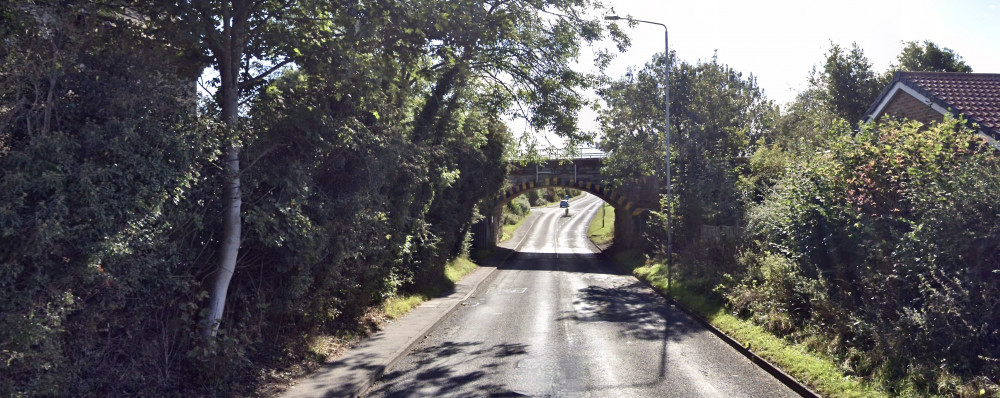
[(557, 321)]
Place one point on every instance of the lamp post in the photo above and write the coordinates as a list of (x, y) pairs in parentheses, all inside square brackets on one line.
[(666, 132)]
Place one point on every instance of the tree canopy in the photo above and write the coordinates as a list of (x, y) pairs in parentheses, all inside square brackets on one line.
[(928, 57), (345, 152), (718, 117), (846, 82)]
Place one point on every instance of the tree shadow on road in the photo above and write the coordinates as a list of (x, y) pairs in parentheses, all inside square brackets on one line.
[(435, 374), (587, 263), (641, 313)]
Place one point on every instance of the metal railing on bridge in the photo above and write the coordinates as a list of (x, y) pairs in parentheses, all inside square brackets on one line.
[(560, 154)]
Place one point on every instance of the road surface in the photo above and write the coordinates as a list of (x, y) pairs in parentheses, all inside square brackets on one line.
[(558, 321)]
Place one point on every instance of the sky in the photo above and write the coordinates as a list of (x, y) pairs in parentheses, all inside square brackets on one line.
[(779, 42)]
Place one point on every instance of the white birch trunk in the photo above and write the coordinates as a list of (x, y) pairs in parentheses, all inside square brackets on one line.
[(230, 57), (229, 249)]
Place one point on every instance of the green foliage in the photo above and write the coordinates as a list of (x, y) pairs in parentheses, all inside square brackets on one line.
[(534, 197), (631, 115), (368, 138), (100, 155), (762, 171), (928, 58), (554, 195), (602, 228), (880, 243), (458, 268), (548, 195), (846, 83), (805, 123), (718, 118), (397, 306), (516, 209), (950, 257)]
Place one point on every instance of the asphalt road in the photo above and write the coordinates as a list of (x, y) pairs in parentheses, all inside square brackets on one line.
[(557, 321)]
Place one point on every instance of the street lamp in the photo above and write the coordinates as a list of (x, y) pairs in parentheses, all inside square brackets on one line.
[(666, 131)]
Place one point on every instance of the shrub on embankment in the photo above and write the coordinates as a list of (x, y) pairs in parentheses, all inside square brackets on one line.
[(101, 158), (883, 248), (879, 248)]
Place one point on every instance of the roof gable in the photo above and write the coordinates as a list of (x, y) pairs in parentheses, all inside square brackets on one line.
[(976, 96)]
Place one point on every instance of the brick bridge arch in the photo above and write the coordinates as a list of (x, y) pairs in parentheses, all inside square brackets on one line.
[(632, 201)]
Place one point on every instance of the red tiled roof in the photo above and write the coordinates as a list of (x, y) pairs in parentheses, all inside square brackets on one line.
[(976, 95)]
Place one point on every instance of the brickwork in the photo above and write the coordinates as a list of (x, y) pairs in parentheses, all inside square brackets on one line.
[(632, 201), (903, 105), (583, 174)]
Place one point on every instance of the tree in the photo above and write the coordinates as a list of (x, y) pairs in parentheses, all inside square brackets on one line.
[(393, 128), (486, 62), (804, 122), (518, 53), (631, 118), (245, 42), (847, 82), (718, 117), (928, 58)]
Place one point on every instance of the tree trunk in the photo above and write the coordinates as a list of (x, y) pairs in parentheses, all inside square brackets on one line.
[(231, 234), (229, 58)]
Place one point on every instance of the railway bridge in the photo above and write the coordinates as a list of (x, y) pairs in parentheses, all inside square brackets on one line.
[(632, 201)]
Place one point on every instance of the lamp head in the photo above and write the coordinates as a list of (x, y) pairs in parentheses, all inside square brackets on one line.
[(612, 18)]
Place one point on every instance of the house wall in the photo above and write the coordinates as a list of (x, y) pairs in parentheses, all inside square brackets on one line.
[(903, 105)]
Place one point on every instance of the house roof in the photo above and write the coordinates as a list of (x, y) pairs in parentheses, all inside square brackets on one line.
[(976, 96)]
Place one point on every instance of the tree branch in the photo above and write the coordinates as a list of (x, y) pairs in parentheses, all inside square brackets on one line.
[(257, 79)]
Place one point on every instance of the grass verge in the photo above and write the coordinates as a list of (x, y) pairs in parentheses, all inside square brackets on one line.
[(817, 371), (397, 306), (459, 268), (602, 227), (508, 230)]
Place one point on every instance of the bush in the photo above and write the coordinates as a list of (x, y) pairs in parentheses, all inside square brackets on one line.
[(534, 197), (885, 242), (950, 260), (518, 206), (96, 217)]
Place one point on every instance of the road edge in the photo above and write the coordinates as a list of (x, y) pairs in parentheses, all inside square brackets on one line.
[(489, 271), (777, 373), (435, 311)]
